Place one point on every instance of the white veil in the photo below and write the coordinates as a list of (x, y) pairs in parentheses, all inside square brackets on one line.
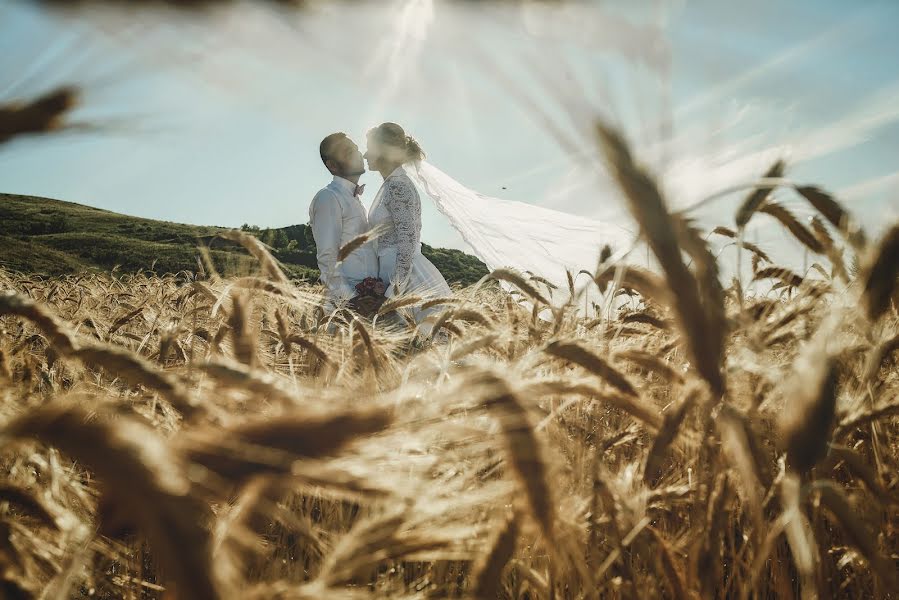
[(530, 239)]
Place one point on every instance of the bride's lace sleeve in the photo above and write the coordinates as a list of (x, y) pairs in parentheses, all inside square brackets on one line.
[(402, 200)]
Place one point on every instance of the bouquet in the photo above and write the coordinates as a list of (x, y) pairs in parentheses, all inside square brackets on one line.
[(369, 296)]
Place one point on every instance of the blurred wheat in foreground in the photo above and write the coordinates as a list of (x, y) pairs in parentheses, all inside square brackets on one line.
[(195, 437)]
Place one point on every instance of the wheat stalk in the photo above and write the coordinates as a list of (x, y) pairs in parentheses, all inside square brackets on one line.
[(834, 500), (834, 212), (242, 338), (645, 283), (487, 573), (357, 242), (659, 229), (398, 303), (666, 436), (785, 275), (807, 423), (579, 355), (518, 281), (881, 274), (788, 220), (524, 450), (758, 196), (258, 250)]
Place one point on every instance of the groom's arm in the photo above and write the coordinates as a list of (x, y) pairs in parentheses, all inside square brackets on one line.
[(326, 222)]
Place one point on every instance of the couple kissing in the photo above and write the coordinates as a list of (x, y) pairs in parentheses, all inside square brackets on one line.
[(337, 216)]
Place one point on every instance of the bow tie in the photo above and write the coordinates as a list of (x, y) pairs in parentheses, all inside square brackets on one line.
[(359, 189)]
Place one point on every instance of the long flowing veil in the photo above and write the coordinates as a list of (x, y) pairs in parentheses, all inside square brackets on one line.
[(531, 239)]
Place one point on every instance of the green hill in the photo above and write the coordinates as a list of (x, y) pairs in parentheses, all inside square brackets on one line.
[(52, 237)]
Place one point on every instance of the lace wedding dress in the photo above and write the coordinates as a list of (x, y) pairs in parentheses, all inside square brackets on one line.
[(397, 210)]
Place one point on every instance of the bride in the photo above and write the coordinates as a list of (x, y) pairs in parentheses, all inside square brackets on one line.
[(546, 244), (396, 210)]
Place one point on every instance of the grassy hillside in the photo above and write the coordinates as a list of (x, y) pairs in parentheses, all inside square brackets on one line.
[(39, 235)]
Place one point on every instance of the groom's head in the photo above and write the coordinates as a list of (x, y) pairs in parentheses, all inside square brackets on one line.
[(341, 155)]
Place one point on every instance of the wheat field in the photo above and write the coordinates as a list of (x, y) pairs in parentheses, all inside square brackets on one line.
[(198, 437)]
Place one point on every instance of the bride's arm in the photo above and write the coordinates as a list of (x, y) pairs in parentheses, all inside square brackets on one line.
[(401, 199)]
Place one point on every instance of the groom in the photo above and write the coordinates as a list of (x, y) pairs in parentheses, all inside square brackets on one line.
[(336, 216)]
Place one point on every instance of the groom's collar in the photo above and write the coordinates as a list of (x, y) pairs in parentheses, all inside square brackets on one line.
[(345, 184)]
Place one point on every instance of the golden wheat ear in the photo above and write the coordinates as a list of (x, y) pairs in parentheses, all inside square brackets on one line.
[(660, 229), (652, 470), (881, 275), (758, 196), (270, 445), (13, 303), (487, 575), (370, 543), (632, 405), (241, 530), (516, 279), (646, 283), (461, 351), (578, 354), (807, 423), (29, 504), (786, 276), (145, 477), (834, 212), (359, 241), (835, 501), (878, 357), (117, 360), (789, 220), (398, 303), (243, 338), (646, 318), (524, 449), (670, 566), (42, 115), (258, 250), (15, 586), (470, 315), (756, 251), (833, 252), (710, 347)]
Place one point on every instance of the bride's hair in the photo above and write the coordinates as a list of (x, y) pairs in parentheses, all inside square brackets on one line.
[(393, 136)]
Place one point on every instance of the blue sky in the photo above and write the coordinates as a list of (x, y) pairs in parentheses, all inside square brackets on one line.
[(216, 120)]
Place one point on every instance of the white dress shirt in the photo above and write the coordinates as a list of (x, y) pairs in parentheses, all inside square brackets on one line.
[(336, 216)]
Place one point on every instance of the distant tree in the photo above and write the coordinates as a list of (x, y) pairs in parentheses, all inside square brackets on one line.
[(310, 239), (279, 239)]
